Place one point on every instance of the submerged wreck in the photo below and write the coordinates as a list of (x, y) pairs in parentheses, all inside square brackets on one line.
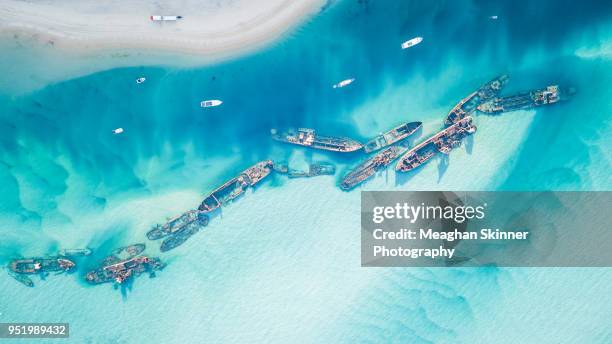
[(178, 229), (124, 264), (20, 268), (236, 186), (314, 169)]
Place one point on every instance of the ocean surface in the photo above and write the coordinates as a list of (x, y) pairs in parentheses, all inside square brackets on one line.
[(282, 264)]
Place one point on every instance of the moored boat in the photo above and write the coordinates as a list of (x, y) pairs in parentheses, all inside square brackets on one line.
[(411, 42), (344, 83), (210, 103)]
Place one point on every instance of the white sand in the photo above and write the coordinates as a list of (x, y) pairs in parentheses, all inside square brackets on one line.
[(46, 41), (209, 27)]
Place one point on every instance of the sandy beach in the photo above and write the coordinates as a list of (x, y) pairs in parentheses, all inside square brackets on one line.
[(82, 37), (208, 28)]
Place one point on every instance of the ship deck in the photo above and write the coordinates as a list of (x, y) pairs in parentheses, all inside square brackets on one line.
[(431, 140)]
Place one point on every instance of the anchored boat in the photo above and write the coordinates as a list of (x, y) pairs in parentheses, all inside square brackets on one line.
[(210, 103), (344, 83), (392, 136), (411, 42), (308, 138)]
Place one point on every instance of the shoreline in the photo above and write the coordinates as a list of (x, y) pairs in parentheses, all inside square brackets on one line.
[(86, 37), (88, 27)]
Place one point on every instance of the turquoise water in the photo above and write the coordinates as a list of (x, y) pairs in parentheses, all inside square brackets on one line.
[(282, 264)]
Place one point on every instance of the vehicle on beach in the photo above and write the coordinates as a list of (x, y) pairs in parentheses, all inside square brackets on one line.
[(412, 42), (210, 103), (165, 18), (140, 80), (344, 83)]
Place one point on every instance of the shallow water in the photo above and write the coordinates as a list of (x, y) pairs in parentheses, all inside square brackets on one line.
[(282, 263)]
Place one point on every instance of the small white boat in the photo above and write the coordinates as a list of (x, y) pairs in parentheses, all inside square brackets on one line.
[(493, 17), (118, 131), (165, 18), (140, 80), (412, 42), (210, 103), (344, 83)]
